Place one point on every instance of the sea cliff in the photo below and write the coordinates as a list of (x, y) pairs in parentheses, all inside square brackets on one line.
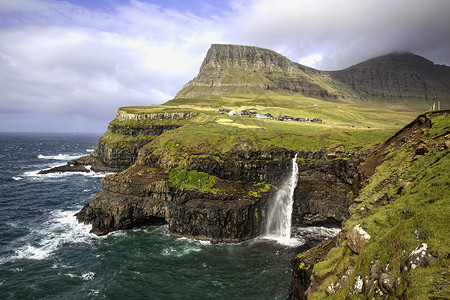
[(393, 244), (216, 194)]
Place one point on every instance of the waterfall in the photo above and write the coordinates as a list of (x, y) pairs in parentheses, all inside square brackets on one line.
[(279, 215)]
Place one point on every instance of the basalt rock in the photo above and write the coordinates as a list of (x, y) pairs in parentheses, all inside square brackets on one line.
[(144, 196), (236, 209), (66, 168), (328, 182), (268, 165), (303, 281)]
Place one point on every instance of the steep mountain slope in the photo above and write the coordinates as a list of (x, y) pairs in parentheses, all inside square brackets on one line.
[(229, 69), (244, 70), (397, 76)]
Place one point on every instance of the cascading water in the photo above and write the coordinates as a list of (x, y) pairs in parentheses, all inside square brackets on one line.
[(280, 210)]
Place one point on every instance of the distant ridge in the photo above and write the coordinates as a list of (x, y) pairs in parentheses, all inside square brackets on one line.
[(236, 69), (397, 76)]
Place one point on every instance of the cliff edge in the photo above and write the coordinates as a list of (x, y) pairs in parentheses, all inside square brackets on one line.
[(395, 242)]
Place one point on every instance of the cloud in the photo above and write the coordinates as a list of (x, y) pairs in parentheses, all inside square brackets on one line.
[(61, 58), (346, 32), (71, 61)]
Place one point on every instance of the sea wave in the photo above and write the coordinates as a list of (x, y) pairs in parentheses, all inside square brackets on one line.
[(181, 250), (16, 178), (61, 227), (85, 276), (59, 156)]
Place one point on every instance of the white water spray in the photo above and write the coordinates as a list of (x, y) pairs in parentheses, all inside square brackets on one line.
[(280, 210)]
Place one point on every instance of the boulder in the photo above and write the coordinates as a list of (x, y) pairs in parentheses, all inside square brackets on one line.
[(357, 239), (419, 257), (358, 286), (422, 149), (386, 282)]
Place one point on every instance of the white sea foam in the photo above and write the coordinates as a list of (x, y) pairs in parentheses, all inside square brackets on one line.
[(36, 176), (89, 150), (58, 157), (317, 231), (85, 276), (289, 242), (62, 227), (181, 250), (88, 276), (93, 292), (16, 178)]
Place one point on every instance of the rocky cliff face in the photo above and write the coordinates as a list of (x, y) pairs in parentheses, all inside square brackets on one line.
[(231, 210), (229, 69), (234, 206), (328, 182)]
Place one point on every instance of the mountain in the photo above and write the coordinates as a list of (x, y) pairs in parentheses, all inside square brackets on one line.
[(397, 76), (234, 69), (229, 69)]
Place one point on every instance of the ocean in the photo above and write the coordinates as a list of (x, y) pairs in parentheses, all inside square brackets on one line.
[(46, 254)]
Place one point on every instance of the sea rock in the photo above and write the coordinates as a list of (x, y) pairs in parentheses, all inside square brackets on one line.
[(66, 168), (357, 238)]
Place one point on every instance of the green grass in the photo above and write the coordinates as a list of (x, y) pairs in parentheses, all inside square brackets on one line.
[(346, 126), (117, 141), (190, 180), (392, 216)]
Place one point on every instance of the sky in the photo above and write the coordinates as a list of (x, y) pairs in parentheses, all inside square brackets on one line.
[(66, 66)]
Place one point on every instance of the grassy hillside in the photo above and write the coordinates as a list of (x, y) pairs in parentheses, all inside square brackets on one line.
[(344, 125), (406, 203)]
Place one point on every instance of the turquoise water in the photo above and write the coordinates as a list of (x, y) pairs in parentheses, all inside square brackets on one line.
[(46, 254)]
